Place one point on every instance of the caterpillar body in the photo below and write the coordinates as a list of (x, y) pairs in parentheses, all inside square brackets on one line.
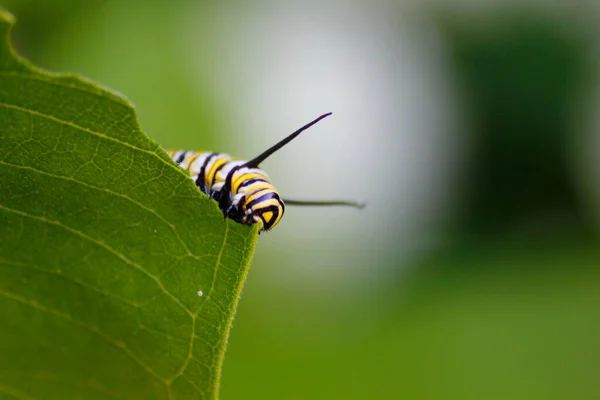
[(243, 190)]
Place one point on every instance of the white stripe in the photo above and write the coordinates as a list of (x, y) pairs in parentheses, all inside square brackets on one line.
[(197, 164), (188, 154), (177, 155)]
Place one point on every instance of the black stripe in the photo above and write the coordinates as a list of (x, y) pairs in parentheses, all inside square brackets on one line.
[(180, 159), (224, 202), (200, 179), (249, 182), (270, 194), (275, 210), (209, 191), (230, 176)]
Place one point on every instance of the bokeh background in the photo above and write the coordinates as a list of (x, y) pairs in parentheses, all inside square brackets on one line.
[(470, 127)]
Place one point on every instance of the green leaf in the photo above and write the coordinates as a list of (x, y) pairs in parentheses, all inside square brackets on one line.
[(105, 245)]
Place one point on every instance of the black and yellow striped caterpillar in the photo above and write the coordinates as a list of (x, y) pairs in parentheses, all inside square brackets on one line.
[(242, 190)]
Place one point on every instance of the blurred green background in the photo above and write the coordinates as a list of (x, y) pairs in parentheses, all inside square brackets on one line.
[(470, 128)]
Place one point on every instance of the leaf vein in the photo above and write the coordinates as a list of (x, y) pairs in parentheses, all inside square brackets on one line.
[(11, 391), (92, 132), (119, 345), (71, 280), (181, 370), (100, 92), (104, 246), (215, 271), (121, 195)]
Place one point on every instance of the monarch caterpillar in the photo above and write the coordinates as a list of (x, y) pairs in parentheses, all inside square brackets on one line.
[(242, 190)]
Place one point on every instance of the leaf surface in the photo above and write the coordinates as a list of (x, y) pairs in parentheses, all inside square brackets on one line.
[(118, 278)]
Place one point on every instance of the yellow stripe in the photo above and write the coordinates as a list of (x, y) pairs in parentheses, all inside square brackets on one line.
[(209, 176), (260, 185), (256, 195), (264, 204), (279, 215), (267, 216), (237, 181), (189, 161)]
